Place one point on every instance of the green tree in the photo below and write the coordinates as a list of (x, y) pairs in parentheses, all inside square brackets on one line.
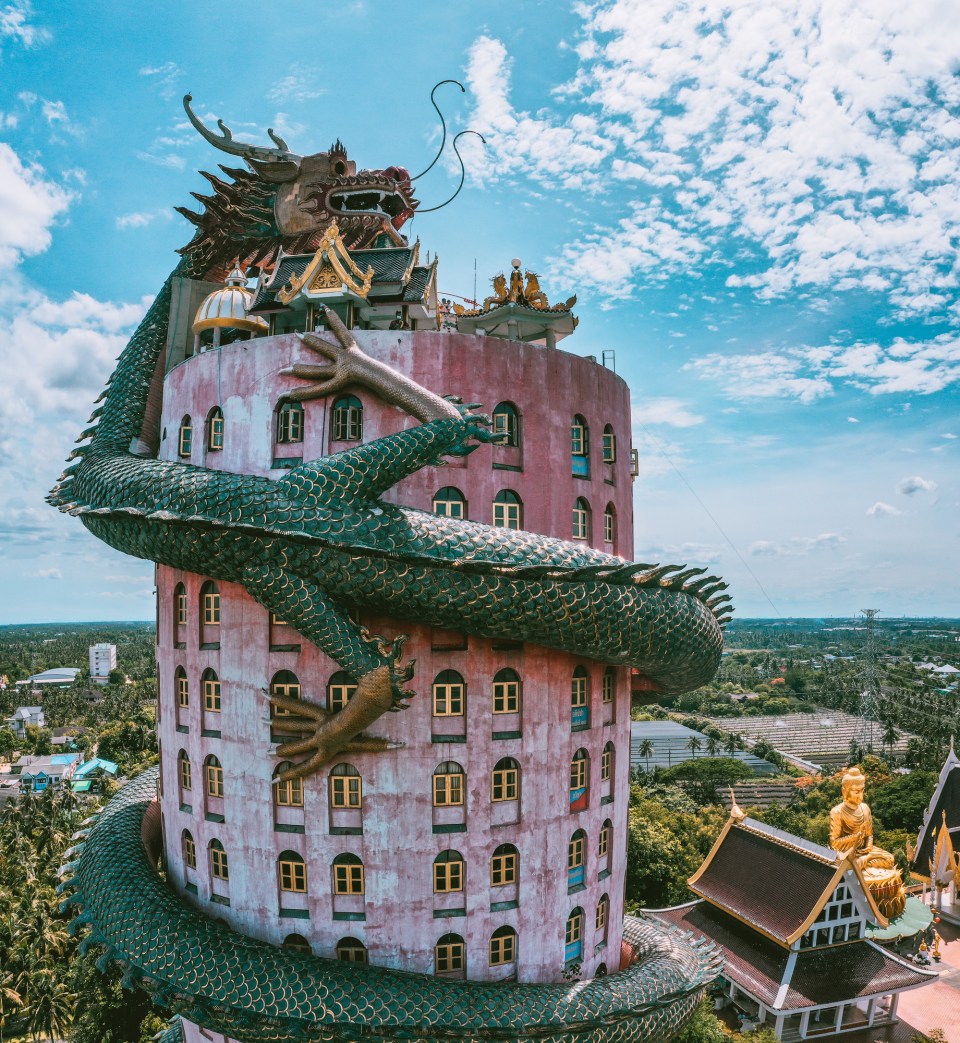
[(8, 743), (646, 751), (694, 744)]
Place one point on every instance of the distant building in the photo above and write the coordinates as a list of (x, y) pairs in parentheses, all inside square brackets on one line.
[(103, 659), (22, 717), (793, 920), (58, 677), (88, 777), (37, 773)]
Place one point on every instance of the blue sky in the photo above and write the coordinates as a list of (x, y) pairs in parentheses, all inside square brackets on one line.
[(756, 203)]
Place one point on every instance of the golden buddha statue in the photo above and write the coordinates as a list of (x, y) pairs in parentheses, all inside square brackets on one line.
[(851, 831)]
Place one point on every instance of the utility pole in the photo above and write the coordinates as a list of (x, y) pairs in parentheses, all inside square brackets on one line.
[(870, 693)]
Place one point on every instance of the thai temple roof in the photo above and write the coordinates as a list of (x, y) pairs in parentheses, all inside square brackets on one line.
[(817, 977), (768, 857), (935, 852)]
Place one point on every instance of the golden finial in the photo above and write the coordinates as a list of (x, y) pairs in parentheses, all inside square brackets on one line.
[(736, 812)]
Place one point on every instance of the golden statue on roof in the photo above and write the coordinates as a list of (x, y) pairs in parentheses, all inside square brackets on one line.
[(851, 835)]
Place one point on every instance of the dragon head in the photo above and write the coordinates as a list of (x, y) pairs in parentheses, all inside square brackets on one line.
[(289, 201)]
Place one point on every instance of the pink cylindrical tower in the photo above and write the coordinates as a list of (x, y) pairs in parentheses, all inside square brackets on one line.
[(483, 846)]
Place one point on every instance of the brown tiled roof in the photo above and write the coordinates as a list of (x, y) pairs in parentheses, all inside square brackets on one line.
[(772, 884), (844, 971), (821, 976), (947, 798), (750, 960)]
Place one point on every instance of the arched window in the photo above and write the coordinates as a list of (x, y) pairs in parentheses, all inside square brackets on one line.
[(287, 793), (506, 691), (347, 419), (603, 917), (609, 445), (348, 875), (576, 855), (507, 510), (351, 950), (292, 872), (346, 787), (297, 943), (179, 613), (449, 954), (505, 780), (449, 694), (211, 691), (580, 447), (606, 762), (182, 686), (219, 866), (580, 698), (504, 866), (506, 423), (340, 689), (579, 779), (185, 437), (210, 604), (449, 502), (503, 946), (601, 971), (609, 684), (581, 519), (289, 421), (213, 776), (604, 848), (448, 785), (215, 429), (448, 872), (184, 772), (610, 525), (286, 685), (573, 936), (189, 849)]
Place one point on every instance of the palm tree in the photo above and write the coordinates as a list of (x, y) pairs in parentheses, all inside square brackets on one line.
[(890, 736), (49, 1002), (713, 747), (646, 751), (731, 744), (9, 1000), (694, 744)]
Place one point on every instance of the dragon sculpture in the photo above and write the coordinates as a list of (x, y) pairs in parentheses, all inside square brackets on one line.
[(320, 543)]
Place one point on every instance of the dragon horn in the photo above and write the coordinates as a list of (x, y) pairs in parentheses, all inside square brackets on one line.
[(224, 140)]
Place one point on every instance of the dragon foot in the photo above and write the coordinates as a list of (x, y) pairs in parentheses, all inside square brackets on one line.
[(321, 735)]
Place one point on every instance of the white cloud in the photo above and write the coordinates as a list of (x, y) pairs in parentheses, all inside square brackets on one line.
[(914, 484), (15, 25), (815, 136), (852, 420), (29, 206), (166, 77), (810, 373), (669, 411), (298, 85), (882, 510), (51, 573), (797, 546), (140, 219)]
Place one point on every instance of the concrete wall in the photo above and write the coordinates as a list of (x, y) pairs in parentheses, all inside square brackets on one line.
[(403, 918)]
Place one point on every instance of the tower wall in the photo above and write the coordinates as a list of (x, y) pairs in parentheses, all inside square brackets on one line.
[(398, 832)]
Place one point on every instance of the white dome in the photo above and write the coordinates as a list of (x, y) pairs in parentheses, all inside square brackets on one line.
[(227, 308)]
